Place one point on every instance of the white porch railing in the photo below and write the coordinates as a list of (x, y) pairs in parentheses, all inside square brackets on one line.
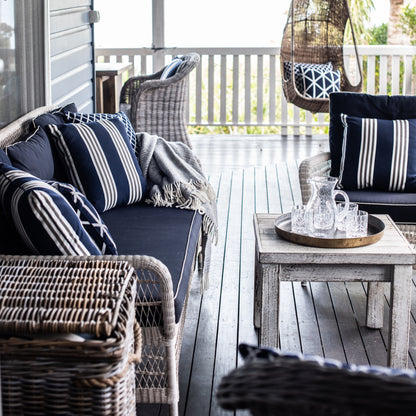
[(237, 87)]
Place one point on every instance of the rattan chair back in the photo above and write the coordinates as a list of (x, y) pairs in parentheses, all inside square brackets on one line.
[(314, 34)]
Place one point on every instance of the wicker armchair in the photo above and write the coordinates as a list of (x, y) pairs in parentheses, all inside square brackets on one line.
[(399, 205), (158, 106), (296, 385)]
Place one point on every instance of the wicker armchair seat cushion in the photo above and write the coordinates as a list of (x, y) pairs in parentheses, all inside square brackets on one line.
[(169, 234), (365, 106), (33, 155), (401, 206)]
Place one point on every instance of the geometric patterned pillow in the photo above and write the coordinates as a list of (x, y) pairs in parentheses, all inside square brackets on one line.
[(299, 82), (319, 82), (42, 217), (88, 215), (378, 154), (87, 118), (100, 162)]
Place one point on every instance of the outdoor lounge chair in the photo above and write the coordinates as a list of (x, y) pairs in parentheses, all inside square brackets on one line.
[(273, 383), (373, 194), (156, 104)]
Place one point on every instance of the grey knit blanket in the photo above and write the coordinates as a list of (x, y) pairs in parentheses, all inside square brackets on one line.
[(175, 179)]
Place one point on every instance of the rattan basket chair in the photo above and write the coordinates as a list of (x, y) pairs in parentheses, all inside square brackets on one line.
[(314, 34), (295, 385), (158, 106)]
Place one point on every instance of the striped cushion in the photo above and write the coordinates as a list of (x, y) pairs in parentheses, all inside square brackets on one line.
[(89, 217), (42, 217), (100, 162), (378, 154), (88, 117)]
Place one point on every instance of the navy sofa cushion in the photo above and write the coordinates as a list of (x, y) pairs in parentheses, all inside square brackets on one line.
[(33, 155), (169, 234), (367, 106), (401, 206), (378, 154)]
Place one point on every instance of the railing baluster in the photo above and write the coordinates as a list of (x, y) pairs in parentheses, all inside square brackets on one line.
[(247, 97), (198, 93), (383, 75), (211, 89), (395, 75), (272, 89), (407, 78), (236, 76), (223, 89), (371, 74), (259, 89)]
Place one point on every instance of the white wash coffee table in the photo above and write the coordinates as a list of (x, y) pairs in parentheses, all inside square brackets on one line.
[(388, 260)]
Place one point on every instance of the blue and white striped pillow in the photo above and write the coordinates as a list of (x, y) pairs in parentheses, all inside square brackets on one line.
[(89, 117), (88, 215), (42, 217), (378, 154), (100, 162)]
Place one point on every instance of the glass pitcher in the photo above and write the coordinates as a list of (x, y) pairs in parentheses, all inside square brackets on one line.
[(321, 211)]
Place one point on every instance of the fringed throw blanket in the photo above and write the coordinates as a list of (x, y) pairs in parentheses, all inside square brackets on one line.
[(175, 178)]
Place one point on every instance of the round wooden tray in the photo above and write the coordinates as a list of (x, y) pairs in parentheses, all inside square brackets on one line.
[(375, 232)]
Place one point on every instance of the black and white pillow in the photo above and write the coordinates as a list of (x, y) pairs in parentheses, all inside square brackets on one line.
[(45, 221), (89, 217), (299, 67), (319, 82), (378, 154), (71, 117), (100, 162)]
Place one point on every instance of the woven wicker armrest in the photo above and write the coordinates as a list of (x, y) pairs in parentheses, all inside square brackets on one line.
[(154, 286), (318, 165)]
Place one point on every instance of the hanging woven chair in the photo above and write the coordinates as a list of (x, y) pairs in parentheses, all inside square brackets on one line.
[(314, 34)]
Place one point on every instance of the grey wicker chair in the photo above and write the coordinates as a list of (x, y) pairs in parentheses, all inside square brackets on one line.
[(158, 106), (296, 385)]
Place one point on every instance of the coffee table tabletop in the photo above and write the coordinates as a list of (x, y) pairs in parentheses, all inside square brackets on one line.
[(388, 260)]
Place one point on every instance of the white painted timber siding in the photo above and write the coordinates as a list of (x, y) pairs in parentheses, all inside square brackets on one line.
[(242, 86)]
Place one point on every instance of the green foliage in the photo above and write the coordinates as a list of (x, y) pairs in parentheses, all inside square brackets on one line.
[(408, 22), (377, 35), (360, 11)]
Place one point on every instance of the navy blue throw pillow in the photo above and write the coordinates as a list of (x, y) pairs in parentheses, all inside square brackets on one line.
[(4, 158), (395, 107), (54, 117), (89, 217), (42, 217), (172, 68), (33, 155), (100, 162), (378, 154), (72, 117)]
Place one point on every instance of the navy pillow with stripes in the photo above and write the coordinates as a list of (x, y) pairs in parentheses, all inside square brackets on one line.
[(378, 154), (100, 162), (89, 217), (89, 117), (42, 217)]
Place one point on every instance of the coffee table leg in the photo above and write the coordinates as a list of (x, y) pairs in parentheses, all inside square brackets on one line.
[(269, 330), (400, 301), (375, 304)]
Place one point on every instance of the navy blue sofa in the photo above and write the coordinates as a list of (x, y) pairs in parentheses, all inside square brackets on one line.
[(163, 244)]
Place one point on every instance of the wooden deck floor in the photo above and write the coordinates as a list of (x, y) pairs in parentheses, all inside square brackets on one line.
[(260, 175)]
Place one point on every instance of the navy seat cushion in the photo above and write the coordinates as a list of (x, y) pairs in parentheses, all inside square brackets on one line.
[(169, 234), (4, 158), (365, 106), (401, 206)]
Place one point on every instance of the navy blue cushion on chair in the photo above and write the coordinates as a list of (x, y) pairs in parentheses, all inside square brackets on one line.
[(33, 155), (397, 107), (89, 217), (100, 162), (42, 217), (378, 154), (72, 117)]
